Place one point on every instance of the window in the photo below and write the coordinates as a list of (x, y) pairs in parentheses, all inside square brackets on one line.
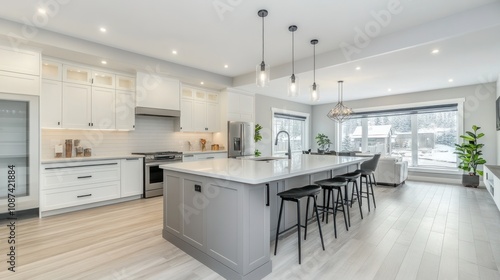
[(296, 124), (423, 136)]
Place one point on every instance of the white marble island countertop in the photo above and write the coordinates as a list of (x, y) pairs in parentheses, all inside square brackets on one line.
[(258, 172)]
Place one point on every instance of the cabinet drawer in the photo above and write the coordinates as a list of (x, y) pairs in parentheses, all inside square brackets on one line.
[(83, 175), (79, 195)]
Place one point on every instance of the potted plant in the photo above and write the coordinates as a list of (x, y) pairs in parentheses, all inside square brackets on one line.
[(470, 155), (257, 137), (323, 143)]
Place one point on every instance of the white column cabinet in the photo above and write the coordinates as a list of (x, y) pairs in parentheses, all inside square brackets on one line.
[(77, 74), (199, 117), (131, 177), (125, 110), (51, 104), (76, 106), (103, 108)]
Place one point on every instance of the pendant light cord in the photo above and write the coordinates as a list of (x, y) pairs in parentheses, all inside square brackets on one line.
[(262, 38), (314, 63), (293, 57)]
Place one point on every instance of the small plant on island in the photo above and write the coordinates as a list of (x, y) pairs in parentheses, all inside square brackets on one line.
[(323, 142), (257, 137)]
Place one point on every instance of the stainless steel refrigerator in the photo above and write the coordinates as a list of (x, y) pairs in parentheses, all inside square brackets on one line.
[(240, 139)]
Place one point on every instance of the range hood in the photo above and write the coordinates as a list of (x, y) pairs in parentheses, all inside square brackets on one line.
[(146, 111)]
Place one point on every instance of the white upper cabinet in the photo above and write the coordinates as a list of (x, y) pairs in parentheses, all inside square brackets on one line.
[(103, 79), (155, 91), (19, 61), (76, 106), (241, 107), (125, 83), (103, 108), (51, 70), (51, 104), (199, 110), (125, 110), (77, 74)]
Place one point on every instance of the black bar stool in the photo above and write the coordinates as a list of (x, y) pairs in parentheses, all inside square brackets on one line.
[(329, 185), (295, 195), (352, 177), (367, 170)]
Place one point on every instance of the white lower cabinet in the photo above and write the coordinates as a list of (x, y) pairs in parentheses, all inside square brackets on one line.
[(69, 185), (131, 176)]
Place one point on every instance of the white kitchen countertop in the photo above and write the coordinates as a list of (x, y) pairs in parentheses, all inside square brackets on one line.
[(92, 158), (258, 172), (203, 152)]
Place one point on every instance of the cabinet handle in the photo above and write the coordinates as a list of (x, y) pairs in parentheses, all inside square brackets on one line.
[(132, 159), (267, 194), (133, 126), (210, 157), (61, 167), (197, 188), (189, 156), (89, 124), (84, 195), (84, 177), (58, 123), (92, 124), (206, 128)]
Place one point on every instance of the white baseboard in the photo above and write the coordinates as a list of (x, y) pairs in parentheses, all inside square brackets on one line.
[(88, 206), (438, 180)]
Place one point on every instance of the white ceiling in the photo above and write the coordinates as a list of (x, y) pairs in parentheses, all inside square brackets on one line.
[(209, 34)]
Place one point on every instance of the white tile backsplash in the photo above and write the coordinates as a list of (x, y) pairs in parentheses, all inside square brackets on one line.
[(151, 134)]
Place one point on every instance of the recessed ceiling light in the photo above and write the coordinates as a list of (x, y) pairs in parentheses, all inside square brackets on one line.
[(435, 51), (202, 83), (104, 62), (42, 11), (389, 89), (226, 66), (358, 68), (450, 80), (174, 52), (102, 29)]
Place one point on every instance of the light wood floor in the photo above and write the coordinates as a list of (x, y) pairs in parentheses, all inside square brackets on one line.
[(418, 231)]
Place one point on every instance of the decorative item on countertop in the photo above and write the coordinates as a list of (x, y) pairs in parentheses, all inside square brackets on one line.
[(76, 142), (323, 143), (69, 147), (79, 151), (58, 150), (257, 137), (215, 147), (87, 152), (470, 155), (203, 142)]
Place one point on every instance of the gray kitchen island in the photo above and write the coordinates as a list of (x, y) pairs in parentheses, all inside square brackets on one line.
[(223, 212)]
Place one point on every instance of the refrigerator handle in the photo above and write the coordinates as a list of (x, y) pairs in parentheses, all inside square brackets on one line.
[(242, 150)]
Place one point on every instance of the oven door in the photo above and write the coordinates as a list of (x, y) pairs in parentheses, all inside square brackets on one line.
[(153, 178)]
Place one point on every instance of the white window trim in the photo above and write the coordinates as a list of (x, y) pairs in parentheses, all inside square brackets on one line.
[(460, 111), (289, 112)]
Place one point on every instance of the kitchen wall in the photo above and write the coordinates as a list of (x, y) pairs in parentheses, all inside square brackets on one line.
[(263, 116), (479, 109), (152, 134)]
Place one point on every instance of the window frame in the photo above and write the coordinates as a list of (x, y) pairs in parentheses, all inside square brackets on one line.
[(307, 125), (460, 128)]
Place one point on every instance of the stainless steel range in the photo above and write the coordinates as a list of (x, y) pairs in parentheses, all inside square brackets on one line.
[(153, 174)]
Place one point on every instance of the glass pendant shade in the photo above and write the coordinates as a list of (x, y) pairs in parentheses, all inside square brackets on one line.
[(262, 71), (293, 86), (314, 92), (293, 82), (314, 87), (340, 112), (262, 74)]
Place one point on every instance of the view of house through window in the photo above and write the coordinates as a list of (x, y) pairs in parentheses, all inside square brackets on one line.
[(296, 124), (424, 138)]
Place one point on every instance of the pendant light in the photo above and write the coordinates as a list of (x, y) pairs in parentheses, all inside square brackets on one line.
[(314, 87), (340, 112), (293, 84), (263, 71)]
